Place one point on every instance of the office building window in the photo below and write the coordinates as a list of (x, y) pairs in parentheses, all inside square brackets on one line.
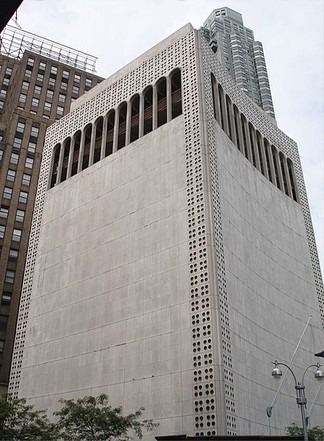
[(14, 158), (26, 179), (23, 196), (8, 72), (6, 298), (4, 318), (11, 174), (7, 193), (53, 70), (65, 74), (3, 93), (1, 154), (25, 85), (51, 82), (31, 147), (49, 93), (30, 61), (75, 90), (1, 104), (40, 77), (20, 215), (16, 235), (4, 212), (47, 106), (17, 143), (29, 162), (34, 131), (20, 127), (42, 67), (2, 231), (77, 79), (35, 102), (37, 89), (62, 97), (22, 98), (13, 254), (88, 84), (60, 110), (63, 85)]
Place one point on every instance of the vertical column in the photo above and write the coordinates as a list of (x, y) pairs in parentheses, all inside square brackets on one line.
[(104, 136), (141, 116), (92, 143), (154, 107), (216, 98), (128, 122), (80, 161), (70, 160), (116, 131), (169, 98), (60, 164)]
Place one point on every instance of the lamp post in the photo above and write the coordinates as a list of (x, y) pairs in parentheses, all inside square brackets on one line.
[(300, 388)]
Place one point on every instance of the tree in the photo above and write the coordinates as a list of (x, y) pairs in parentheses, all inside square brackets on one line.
[(92, 418), (19, 421), (316, 433)]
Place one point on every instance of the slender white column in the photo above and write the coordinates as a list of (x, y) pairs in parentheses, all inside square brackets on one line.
[(104, 136), (116, 130), (154, 108), (60, 164), (128, 123), (92, 143), (80, 160), (169, 98), (141, 116), (70, 161)]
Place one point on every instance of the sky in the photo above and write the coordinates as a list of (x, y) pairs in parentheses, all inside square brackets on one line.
[(291, 31)]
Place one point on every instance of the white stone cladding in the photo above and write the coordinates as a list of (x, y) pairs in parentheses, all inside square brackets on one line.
[(155, 268)]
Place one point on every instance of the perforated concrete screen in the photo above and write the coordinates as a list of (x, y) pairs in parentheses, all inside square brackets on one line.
[(170, 273)]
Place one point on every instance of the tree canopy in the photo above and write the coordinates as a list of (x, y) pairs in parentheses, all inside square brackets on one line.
[(19, 421), (92, 418), (316, 433)]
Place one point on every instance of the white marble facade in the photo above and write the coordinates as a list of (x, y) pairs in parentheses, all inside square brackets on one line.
[(172, 272)]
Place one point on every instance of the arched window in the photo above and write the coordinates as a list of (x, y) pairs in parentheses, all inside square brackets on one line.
[(134, 130), (122, 125), (175, 77), (285, 178), (161, 88), (148, 110), (259, 147), (245, 135), (253, 147), (228, 115), (55, 161), (110, 133), (76, 150), (86, 148), (98, 139), (237, 123), (220, 98), (214, 93), (292, 179), (267, 149), (66, 146)]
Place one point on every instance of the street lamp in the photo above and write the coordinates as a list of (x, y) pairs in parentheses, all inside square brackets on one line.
[(300, 388)]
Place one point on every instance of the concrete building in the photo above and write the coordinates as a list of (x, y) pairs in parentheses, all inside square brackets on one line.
[(172, 255), (242, 56), (39, 79)]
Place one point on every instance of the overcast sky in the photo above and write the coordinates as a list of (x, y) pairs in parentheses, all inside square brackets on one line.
[(117, 31)]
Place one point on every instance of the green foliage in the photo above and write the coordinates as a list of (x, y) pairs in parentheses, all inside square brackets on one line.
[(316, 433), (92, 418), (19, 421)]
